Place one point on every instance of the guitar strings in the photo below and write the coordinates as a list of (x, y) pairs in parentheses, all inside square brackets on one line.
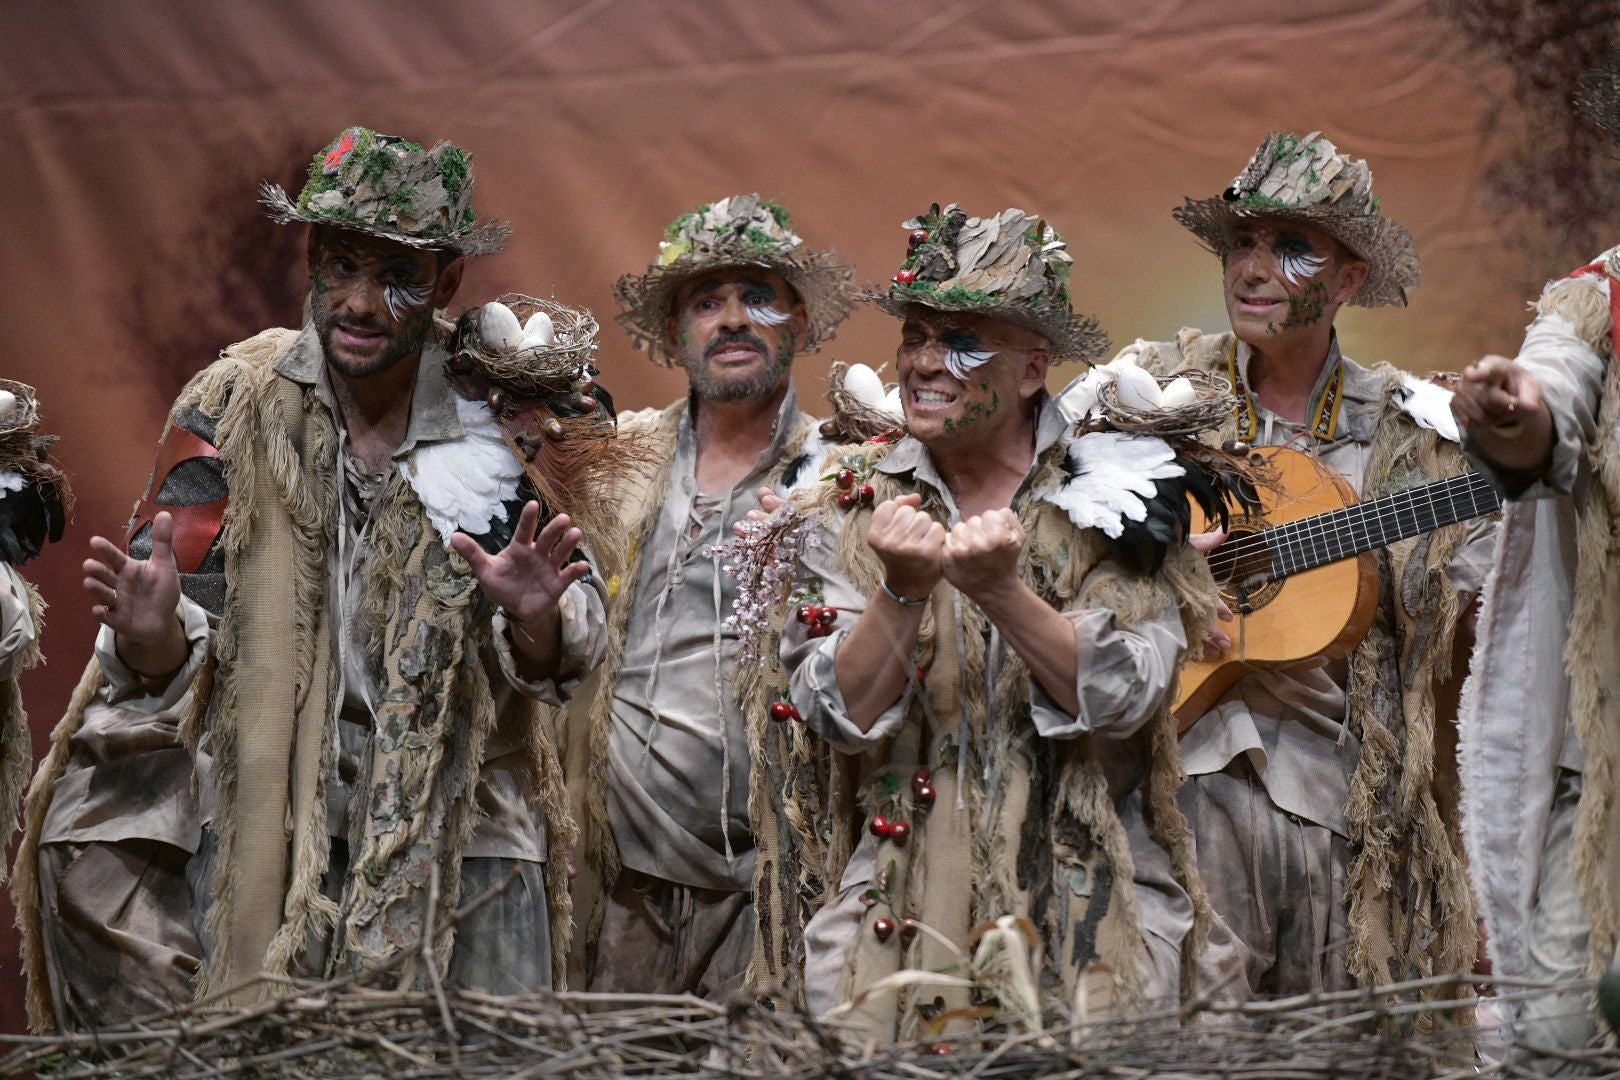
[(1383, 511), (1288, 538)]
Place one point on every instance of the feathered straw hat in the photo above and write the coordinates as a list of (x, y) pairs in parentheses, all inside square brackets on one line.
[(1308, 180), (1009, 266), (1598, 97), (737, 231), (387, 186)]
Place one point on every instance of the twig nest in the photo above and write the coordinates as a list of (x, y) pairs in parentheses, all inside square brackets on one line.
[(498, 328), (539, 332), (1136, 388), (863, 384)]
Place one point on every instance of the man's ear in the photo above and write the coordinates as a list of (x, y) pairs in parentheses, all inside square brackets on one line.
[(1352, 276), (448, 281), (1035, 368)]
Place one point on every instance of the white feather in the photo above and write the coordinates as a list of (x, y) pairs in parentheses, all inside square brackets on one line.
[(464, 482), (1429, 405), (11, 480), (1115, 476)]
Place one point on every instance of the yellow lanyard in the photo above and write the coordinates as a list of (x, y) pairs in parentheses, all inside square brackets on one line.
[(1326, 410)]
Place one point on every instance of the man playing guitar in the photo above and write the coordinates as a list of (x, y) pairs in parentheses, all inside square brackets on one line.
[(1312, 792)]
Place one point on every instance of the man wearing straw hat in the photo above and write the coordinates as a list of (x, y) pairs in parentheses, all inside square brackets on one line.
[(1539, 757), (1316, 795), (313, 728), (994, 678), (658, 761)]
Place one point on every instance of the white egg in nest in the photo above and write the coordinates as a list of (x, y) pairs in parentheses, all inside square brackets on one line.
[(538, 332), (1136, 388), (863, 384), (8, 403), (891, 405), (1176, 393), (498, 327)]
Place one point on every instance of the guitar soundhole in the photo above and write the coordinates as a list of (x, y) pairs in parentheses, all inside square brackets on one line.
[(1242, 566)]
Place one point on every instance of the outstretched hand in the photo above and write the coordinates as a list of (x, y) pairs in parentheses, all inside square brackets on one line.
[(769, 503), (1501, 405), (527, 577), (138, 599)]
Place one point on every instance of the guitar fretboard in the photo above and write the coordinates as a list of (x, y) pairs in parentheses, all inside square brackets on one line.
[(1324, 538)]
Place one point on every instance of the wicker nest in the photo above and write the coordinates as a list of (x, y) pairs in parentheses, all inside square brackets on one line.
[(24, 416), (853, 421), (534, 372), (1213, 408)]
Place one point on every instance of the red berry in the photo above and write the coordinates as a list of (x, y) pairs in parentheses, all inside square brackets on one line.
[(883, 928), (908, 930), (939, 1048), (794, 714), (880, 826), (847, 500), (918, 236), (780, 710), (807, 614), (906, 277), (925, 795), (868, 494), (921, 778), (827, 616), (819, 630), (846, 479), (900, 832)]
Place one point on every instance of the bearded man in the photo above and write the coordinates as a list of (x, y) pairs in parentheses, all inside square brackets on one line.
[(336, 625), (659, 763), (1319, 875)]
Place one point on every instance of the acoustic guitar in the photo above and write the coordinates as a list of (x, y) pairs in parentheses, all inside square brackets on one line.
[(1299, 574)]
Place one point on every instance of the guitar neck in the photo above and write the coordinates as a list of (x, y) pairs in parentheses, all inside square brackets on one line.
[(1324, 538)]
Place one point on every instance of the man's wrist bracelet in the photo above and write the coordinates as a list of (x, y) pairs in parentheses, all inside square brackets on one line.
[(901, 600)]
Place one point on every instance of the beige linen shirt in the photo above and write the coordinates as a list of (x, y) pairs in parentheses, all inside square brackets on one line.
[(677, 794)]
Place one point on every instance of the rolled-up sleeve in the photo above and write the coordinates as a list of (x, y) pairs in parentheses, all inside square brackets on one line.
[(1571, 373), (582, 612), (17, 629), (128, 689), (1124, 674), (811, 661)]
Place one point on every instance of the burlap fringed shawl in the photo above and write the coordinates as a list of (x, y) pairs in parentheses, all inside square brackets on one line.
[(589, 714), (1040, 835), (1411, 909), (266, 698)]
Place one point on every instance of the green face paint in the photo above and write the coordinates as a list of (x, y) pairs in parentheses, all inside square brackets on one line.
[(1307, 307)]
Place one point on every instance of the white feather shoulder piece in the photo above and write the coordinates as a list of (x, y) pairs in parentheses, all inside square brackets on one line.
[(11, 480), (1429, 405), (464, 482), (1115, 475)]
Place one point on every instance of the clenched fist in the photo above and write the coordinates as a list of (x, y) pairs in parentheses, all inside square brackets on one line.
[(981, 553), (909, 543)]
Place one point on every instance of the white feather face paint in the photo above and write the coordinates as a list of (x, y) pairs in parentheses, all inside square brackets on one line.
[(1298, 267), (959, 362), (404, 299), (760, 312)]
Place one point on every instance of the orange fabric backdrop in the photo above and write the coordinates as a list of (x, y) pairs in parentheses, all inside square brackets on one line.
[(135, 135)]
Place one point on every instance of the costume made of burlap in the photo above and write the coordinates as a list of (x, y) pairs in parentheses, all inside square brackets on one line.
[(1540, 748), (264, 698), (1410, 913), (657, 765), (349, 750), (1020, 824)]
